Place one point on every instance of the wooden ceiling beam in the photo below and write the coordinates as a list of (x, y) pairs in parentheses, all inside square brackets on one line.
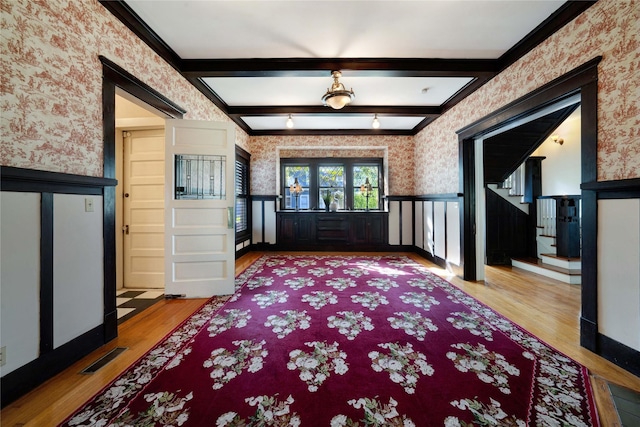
[(322, 67), (381, 110)]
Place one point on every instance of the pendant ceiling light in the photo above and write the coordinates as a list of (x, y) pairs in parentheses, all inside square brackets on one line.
[(337, 97), (289, 122)]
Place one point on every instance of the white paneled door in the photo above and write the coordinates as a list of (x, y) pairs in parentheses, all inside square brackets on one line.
[(199, 208), (143, 195)]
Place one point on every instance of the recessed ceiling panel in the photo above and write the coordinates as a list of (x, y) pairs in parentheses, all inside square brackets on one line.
[(408, 59), (395, 91), (343, 29), (331, 122)]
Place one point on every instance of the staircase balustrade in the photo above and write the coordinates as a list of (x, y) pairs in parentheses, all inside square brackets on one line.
[(515, 182), (547, 217), (546, 220)]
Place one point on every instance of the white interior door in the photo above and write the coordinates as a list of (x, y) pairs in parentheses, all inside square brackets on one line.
[(143, 208), (199, 208)]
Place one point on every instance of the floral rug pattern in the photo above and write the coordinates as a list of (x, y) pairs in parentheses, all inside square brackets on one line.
[(350, 341)]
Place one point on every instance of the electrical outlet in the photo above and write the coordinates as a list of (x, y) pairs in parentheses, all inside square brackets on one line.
[(3, 355), (88, 204)]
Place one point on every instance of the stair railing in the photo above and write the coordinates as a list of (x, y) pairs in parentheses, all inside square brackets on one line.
[(546, 212), (515, 182)]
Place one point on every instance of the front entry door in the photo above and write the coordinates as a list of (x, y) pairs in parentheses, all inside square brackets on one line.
[(199, 208), (143, 210)]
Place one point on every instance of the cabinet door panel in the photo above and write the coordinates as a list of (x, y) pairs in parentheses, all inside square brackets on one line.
[(305, 229)]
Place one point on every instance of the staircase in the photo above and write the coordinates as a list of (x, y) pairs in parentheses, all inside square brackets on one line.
[(556, 220), (548, 263), (512, 189)]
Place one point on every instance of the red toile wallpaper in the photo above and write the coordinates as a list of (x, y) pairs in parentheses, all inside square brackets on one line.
[(610, 29), (264, 150), (51, 86), (50, 94)]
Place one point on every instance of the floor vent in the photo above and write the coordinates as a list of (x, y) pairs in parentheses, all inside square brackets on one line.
[(103, 360), (627, 404)]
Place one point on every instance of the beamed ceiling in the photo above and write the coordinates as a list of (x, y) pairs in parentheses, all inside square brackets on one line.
[(407, 61)]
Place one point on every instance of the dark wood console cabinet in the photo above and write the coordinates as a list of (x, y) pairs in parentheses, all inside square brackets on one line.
[(337, 231)]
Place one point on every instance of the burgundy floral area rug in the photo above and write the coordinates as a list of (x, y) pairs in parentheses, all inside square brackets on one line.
[(345, 341)]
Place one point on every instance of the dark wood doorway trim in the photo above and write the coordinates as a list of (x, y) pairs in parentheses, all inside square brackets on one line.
[(584, 81), (113, 76)]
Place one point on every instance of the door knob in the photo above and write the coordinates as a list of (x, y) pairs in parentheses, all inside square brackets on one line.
[(126, 194), (125, 229)]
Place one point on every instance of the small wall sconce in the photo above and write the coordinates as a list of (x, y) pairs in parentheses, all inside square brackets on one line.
[(557, 139)]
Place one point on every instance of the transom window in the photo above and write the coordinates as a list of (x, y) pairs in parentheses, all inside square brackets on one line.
[(353, 183)]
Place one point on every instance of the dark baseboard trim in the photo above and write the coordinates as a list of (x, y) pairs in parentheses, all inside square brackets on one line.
[(620, 354), (434, 259), (588, 334), (336, 247), (243, 251), (27, 377), (263, 246), (378, 248), (110, 325), (398, 248), (265, 197)]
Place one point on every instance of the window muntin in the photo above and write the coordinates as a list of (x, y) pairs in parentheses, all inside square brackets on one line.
[(343, 176)]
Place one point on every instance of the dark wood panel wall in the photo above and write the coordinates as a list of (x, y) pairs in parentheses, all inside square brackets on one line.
[(409, 223), (332, 231), (507, 230)]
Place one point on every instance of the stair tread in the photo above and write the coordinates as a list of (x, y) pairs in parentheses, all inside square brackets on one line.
[(563, 258), (539, 263)]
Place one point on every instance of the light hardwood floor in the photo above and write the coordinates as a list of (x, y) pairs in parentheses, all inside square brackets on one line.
[(546, 308)]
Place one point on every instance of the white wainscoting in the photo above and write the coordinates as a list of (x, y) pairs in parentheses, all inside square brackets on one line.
[(431, 225), (263, 227), (440, 226), (394, 223), (78, 267), (619, 270), (407, 222), (453, 233), (19, 278), (418, 233), (428, 228)]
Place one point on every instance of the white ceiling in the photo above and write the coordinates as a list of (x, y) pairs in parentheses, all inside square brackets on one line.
[(271, 29), (342, 29)]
